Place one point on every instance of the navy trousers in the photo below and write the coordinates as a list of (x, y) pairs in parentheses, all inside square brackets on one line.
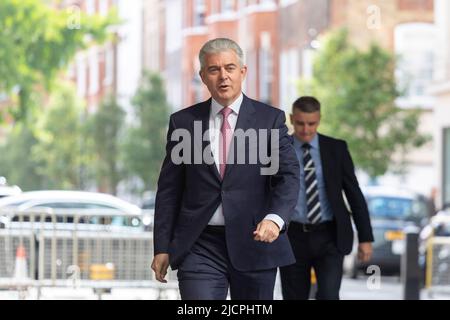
[(206, 273), (315, 249)]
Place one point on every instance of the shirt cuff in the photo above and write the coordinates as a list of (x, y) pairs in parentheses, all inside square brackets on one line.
[(277, 219)]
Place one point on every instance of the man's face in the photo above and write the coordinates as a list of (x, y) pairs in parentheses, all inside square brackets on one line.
[(305, 124), (223, 76)]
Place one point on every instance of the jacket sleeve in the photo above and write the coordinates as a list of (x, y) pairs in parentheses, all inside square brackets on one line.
[(168, 196), (286, 181), (356, 198)]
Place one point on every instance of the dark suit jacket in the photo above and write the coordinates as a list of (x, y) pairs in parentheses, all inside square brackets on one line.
[(339, 176), (189, 194)]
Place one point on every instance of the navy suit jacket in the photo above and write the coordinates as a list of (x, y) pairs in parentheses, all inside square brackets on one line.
[(189, 194), (339, 176)]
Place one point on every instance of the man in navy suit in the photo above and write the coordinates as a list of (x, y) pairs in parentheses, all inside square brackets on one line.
[(321, 231), (218, 220)]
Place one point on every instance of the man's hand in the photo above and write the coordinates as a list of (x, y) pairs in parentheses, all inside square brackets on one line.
[(266, 231), (364, 251), (159, 266)]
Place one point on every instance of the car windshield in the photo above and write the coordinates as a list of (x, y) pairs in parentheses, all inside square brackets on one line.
[(442, 229), (396, 207), (149, 204)]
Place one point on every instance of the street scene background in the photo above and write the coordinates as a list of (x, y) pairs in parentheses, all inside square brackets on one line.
[(87, 87)]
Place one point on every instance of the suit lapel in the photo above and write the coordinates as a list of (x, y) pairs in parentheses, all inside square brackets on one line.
[(203, 116), (246, 117), (326, 158), (246, 120)]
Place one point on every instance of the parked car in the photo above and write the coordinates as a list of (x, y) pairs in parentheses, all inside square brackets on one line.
[(391, 210), (107, 231), (93, 210), (148, 209), (438, 226), (7, 190)]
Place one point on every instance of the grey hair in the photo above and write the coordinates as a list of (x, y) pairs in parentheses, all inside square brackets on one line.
[(220, 45)]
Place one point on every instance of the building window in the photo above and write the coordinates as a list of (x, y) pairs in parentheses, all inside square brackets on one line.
[(81, 76), (93, 72), (103, 7), (214, 6), (199, 13), (414, 46), (251, 80), (196, 83), (446, 167), (227, 5), (285, 3), (109, 66), (265, 69), (290, 73), (90, 7), (307, 63)]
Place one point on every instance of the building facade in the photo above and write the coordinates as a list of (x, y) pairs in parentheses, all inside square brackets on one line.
[(279, 39), (441, 90), (253, 24), (94, 70)]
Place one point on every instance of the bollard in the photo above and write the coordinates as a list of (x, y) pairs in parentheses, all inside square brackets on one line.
[(313, 288), (410, 271)]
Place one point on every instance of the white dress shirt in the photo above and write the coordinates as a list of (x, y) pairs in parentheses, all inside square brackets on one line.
[(215, 123)]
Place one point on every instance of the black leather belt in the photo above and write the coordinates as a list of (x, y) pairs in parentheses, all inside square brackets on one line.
[(297, 226), (215, 229)]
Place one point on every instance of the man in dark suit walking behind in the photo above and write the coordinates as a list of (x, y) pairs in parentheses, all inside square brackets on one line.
[(321, 231), (219, 221)]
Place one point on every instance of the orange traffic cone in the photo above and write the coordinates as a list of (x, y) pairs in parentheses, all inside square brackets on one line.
[(21, 270)]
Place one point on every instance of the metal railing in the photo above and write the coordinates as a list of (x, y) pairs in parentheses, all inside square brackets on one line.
[(438, 265), (437, 272), (76, 248)]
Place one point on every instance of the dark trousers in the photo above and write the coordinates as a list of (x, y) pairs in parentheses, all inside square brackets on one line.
[(206, 273), (316, 249)]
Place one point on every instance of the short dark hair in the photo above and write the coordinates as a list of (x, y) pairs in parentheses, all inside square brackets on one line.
[(306, 104)]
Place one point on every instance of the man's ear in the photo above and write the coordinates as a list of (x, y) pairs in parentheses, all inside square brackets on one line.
[(200, 73), (291, 116), (244, 71)]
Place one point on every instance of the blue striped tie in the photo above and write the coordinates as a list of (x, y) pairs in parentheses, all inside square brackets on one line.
[(313, 212)]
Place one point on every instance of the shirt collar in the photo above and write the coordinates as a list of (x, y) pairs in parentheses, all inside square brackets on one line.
[(314, 142), (235, 106)]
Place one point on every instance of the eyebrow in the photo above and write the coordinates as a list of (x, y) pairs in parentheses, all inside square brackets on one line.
[(308, 122), (226, 66)]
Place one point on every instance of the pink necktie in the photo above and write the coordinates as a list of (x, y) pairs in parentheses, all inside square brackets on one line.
[(225, 139)]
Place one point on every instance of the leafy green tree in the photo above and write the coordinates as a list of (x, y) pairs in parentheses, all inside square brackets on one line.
[(17, 165), (61, 141), (105, 128), (357, 90), (36, 42), (144, 148)]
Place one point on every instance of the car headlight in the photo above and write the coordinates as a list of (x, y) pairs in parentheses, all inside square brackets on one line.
[(147, 220)]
